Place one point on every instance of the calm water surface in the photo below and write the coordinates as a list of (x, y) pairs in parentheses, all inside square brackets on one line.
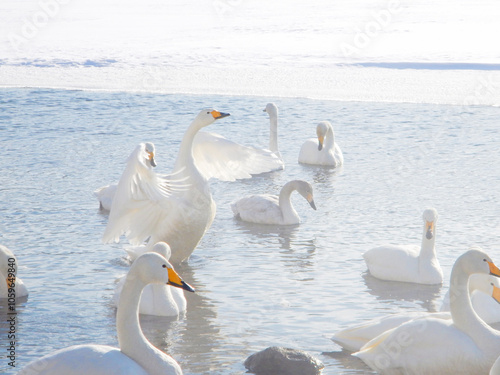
[(257, 286)]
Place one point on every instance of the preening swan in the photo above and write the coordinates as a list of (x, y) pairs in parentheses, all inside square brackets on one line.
[(322, 150), (271, 209), (141, 157), (353, 338), (156, 299), (8, 275), (136, 354), (463, 345), (227, 160), (408, 263), (181, 218)]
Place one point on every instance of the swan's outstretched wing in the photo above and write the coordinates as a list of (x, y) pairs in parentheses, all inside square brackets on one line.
[(216, 156), (142, 198)]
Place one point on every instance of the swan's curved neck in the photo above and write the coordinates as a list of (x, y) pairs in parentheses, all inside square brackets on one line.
[(273, 137), (132, 341), (329, 139), (462, 312), (185, 156), (428, 249), (285, 203)]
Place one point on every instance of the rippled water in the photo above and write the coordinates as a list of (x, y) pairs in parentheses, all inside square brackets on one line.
[(256, 286)]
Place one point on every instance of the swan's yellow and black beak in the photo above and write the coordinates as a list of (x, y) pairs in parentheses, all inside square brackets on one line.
[(493, 269), (175, 280), (429, 231), (217, 115), (151, 158), (496, 293), (310, 199), (11, 282), (321, 139)]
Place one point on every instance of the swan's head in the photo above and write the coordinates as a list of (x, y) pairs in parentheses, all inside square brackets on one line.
[(149, 150), (321, 131), (476, 260), (483, 283), (163, 249), (208, 116), (430, 217), (154, 268), (271, 109), (8, 266), (305, 189)]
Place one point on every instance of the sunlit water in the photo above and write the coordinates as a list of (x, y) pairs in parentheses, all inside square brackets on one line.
[(256, 286)]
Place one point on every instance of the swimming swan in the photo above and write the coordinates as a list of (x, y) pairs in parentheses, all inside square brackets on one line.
[(462, 345), (408, 263), (353, 338), (271, 209), (156, 299), (180, 218), (8, 275), (136, 354), (323, 150)]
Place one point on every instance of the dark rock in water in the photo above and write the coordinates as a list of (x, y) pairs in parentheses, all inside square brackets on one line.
[(283, 361)]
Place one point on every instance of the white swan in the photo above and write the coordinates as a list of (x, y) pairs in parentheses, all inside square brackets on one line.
[(408, 263), (271, 209), (462, 345), (156, 299), (11, 286), (353, 338), (323, 150), (180, 219), (142, 158), (136, 354)]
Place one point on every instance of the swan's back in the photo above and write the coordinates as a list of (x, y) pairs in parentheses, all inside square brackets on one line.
[(262, 208), (84, 360)]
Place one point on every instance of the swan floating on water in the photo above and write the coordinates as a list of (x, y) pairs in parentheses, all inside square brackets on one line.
[(322, 150), (353, 338), (463, 345), (408, 263), (8, 274), (156, 299), (271, 209), (136, 354)]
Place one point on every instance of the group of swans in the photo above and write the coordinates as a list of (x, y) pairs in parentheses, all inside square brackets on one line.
[(135, 355), (178, 208), (431, 344)]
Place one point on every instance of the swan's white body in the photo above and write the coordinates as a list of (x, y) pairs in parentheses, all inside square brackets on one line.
[(322, 150), (463, 345), (408, 263), (8, 268), (156, 299), (136, 354), (271, 209), (354, 338)]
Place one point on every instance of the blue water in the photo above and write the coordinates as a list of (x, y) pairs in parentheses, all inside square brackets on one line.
[(256, 286)]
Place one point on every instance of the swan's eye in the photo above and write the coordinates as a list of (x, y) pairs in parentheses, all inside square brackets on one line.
[(164, 266), (484, 260)]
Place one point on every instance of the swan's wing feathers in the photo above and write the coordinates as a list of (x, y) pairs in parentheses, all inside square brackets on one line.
[(142, 198), (216, 156)]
